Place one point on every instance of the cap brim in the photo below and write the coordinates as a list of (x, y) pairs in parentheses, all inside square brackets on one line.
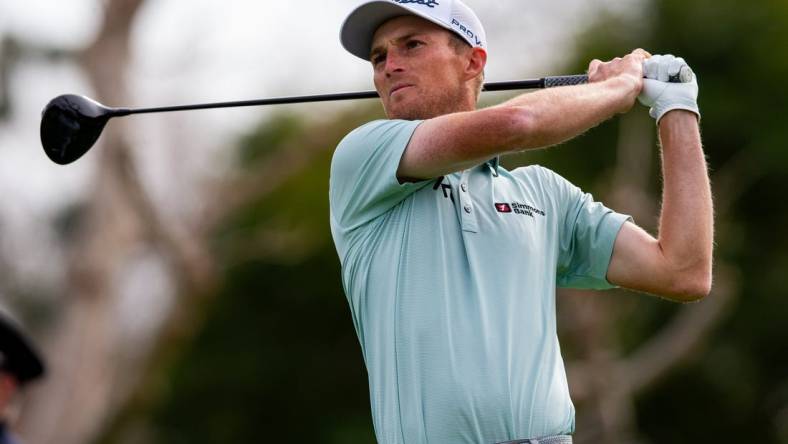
[(360, 26), (19, 356)]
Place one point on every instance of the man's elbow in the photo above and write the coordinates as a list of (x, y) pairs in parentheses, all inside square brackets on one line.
[(517, 128), (521, 127), (691, 286)]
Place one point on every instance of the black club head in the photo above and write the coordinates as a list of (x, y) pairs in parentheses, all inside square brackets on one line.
[(70, 125)]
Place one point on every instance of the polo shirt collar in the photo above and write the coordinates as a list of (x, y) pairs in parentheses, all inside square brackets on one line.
[(493, 165)]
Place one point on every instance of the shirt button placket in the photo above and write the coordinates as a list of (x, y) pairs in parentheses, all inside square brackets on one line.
[(468, 219)]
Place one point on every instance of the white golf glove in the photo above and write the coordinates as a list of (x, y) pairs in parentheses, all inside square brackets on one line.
[(662, 95)]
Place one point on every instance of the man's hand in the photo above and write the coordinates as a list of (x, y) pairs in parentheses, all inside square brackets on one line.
[(661, 95), (628, 70)]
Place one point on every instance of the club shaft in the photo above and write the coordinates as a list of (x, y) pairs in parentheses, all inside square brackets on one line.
[(545, 82)]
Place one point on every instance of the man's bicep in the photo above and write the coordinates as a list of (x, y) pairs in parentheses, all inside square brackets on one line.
[(637, 262), (458, 141)]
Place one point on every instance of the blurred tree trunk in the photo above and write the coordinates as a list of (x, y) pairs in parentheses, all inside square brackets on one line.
[(70, 406), (605, 382), (93, 370), (8, 54)]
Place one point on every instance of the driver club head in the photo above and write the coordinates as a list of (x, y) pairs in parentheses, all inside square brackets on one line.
[(70, 125)]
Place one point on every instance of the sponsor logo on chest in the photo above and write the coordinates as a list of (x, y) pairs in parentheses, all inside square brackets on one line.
[(518, 208), (513, 208)]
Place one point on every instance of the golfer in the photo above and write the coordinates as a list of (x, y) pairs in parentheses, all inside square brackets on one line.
[(450, 262)]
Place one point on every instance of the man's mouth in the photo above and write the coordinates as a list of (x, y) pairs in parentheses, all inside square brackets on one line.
[(398, 88)]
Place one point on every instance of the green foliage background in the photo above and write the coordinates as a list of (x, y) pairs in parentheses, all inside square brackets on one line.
[(277, 359)]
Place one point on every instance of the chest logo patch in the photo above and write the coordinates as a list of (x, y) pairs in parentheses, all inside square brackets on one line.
[(503, 208), (518, 208)]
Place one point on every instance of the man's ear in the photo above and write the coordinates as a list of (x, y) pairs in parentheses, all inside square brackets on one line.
[(477, 60)]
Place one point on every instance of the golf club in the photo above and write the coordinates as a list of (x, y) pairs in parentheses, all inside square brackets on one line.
[(71, 124)]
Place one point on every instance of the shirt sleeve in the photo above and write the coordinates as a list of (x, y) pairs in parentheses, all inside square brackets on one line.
[(363, 183), (587, 232)]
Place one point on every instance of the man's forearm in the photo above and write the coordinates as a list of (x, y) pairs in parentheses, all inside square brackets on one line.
[(455, 141), (559, 114), (686, 223), (544, 118)]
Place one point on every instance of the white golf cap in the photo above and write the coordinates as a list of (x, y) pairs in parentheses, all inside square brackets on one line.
[(454, 15)]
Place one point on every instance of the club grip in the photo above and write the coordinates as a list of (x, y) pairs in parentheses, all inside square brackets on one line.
[(550, 82)]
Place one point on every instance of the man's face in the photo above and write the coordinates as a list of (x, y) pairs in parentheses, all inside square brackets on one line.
[(417, 72)]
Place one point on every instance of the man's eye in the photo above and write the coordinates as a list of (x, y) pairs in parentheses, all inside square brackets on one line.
[(378, 59), (414, 44)]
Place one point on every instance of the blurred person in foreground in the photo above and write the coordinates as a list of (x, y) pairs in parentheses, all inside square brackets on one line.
[(20, 364), (450, 262)]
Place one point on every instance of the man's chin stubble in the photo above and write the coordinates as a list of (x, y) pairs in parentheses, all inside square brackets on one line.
[(446, 104), (414, 113)]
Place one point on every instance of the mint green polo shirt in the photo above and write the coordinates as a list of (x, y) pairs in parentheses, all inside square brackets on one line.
[(451, 286)]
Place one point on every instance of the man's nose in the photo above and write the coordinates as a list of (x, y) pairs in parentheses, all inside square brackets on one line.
[(394, 63)]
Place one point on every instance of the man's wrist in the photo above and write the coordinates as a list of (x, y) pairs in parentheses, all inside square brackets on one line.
[(680, 117), (626, 89), (675, 127)]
